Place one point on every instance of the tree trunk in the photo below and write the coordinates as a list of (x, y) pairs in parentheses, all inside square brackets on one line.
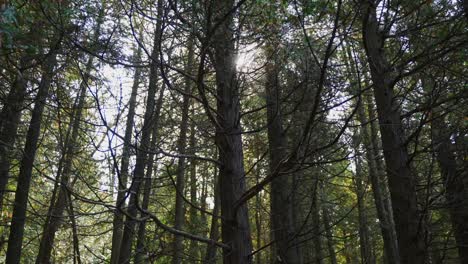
[(316, 230), (281, 204), (402, 187), (181, 147), (140, 246), (377, 177), (15, 239), (367, 256), (141, 154), (329, 234), (210, 256), (235, 220), (59, 205), (117, 224), (453, 175), (193, 216), (10, 119)]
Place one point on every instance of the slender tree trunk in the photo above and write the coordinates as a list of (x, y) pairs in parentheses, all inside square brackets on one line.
[(193, 216), (181, 147), (281, 204), (329, 234), (235, 220), (377, 177), (59, 205), (409, 228), (387, 226), (210, 256), (453, 175), (258, 216), (76, 241), (367, 256), (140, 246), (316, 230), (15, 239), (10, 119), (142, 155), (117, 224)]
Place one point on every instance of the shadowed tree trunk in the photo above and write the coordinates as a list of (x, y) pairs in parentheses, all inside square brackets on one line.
[(235, 220), (376, 177), (453, 175), (281, 204), (58, 206), (140, 246), (402, 184), (141, 153), (117, 224), (210, 256), (367, 256), (15, 240), (329, 234), (181, 147)]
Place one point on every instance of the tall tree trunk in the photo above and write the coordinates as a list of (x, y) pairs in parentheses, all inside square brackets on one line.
[(193, 216), (140, 246), (181, 147), (210, 256), (316, 230), (76, 241), (117, 224), (235, 220), (377, 177), (15, 239), (329, 234), (10, 119), (142, 155), (59, 205), (453, 175), (367, 256), (402, 187), (281, 204)]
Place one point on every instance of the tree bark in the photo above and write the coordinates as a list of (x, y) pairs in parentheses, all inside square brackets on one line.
[(59, 205), (15, 239), (281, 204), (367, 256), (329, 234), (181, 147), (118, 221), (210, 256), (453, 174), (142, 155), (402, 184), (10, 119), (235, 223)]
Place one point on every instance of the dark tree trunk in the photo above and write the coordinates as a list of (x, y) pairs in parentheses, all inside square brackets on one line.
[(117, 224), (316, 230), (378, 182), (147, 187), (181, 147), (15, 239), (141, 154), (409, 228), (194, 252), (10, 119), (281, 204), (454, 176), (235, 220), (329, 234), (210, 256), (60, 204), (367, 255)]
